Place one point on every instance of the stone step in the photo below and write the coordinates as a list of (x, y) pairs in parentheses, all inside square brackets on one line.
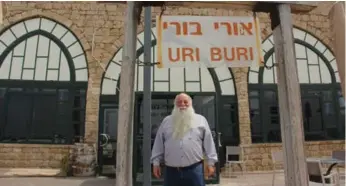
[(27, 172)]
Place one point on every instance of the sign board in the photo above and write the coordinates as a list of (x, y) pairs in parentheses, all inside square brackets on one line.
[(194, 41)]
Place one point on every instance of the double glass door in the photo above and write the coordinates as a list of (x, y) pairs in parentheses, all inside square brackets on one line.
[(29, 118), (107, 139)]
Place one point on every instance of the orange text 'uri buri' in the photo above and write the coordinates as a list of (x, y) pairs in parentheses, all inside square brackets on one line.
[(217, 54)]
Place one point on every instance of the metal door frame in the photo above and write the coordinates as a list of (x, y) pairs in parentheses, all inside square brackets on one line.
[(320, 103), (100, 162)]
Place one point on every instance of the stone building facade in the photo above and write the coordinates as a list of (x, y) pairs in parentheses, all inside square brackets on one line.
[(99, 28)]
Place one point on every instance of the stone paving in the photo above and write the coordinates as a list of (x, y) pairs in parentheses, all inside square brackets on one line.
[(259, 179)]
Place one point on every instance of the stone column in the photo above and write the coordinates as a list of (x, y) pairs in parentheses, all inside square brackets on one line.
[(240, 77)]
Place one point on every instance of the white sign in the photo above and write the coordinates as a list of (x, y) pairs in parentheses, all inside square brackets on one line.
[(185, 41)]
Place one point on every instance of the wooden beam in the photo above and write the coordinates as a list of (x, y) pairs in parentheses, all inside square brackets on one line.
[(296, 6), (289, 98), (337, 19), (126, 99)]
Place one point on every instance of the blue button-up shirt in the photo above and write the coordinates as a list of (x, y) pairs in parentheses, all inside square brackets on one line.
[(186, 151)]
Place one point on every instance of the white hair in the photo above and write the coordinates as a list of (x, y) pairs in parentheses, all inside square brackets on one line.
[(181, 94), (182, 119)]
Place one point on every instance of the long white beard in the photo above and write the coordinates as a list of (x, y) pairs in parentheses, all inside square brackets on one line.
[(182, 121)]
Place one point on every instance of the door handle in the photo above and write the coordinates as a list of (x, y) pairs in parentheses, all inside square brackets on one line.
[(219, 139), (106, 136)]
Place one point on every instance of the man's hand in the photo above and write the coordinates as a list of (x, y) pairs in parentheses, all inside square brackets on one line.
[(157, 171), (211, 170)]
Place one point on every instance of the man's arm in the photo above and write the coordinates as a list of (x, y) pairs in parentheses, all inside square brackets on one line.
[(209, 145), (158, 147)]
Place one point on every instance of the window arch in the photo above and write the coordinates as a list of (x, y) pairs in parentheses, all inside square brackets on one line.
[(322, 103), (52, 44), (167, 80), (43, 67)]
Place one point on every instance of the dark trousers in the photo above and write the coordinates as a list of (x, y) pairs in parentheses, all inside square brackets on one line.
[(186, 176)]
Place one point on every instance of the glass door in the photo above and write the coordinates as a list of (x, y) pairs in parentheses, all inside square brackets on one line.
[(107, 140), (205, 105), (312, 116), (160, 108), (270, 106), (19, 111)]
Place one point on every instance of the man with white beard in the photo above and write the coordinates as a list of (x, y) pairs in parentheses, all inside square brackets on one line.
[(181, 142)]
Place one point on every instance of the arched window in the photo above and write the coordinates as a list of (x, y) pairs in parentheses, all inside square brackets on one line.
[(322, 103), (43, 82)]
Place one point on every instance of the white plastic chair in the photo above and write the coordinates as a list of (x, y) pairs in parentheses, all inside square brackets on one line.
[(315, 170), (277, 158), (340, 155), (236, 150)]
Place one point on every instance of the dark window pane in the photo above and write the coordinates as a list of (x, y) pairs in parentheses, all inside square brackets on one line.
[(77, 102), (312, 115), (63, 94), (18, 117), (328, 109), (253, 93), (270, 97), (227, 123), (274, 110), (41, 115), (254, 103), (2, 92), (254, 116), (332, 133), (15, 89), (342, 102), (110, 122), (320, 117), (49, 90), (274, 135), (256, 128), (43, 121), (313, 93), (76, 116), (82, 101), (327, 95), (2, 107), (342, 124)]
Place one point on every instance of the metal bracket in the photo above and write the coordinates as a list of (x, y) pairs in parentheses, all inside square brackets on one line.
[(161, 4), (142, 63), (270, 67)]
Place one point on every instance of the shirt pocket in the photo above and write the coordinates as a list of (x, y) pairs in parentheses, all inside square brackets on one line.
[(197, 134)]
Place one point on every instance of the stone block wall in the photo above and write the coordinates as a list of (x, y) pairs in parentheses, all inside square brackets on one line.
[(32, 156), (105, 21), (103, 24), (258, 156)]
